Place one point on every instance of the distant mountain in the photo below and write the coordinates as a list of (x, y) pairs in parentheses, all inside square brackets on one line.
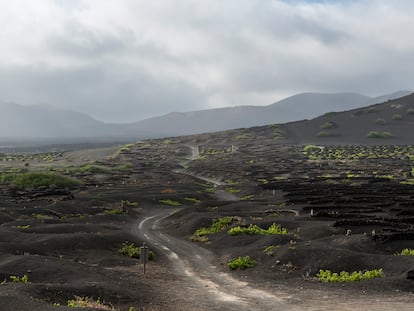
[(297, 107), (391, 122), (46, 122)]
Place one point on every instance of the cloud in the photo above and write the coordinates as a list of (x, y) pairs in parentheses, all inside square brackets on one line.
[(130, 59)]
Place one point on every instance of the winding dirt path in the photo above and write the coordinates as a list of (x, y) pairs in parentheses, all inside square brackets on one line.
[(214, 290)]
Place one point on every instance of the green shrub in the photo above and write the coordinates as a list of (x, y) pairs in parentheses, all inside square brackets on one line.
[(114, 211), (371, 110), (216, 227), (327, 125), (247, 197), (233, 190), (407, 252), (410, 111), (86, 302), (34, 180), (311, 149), (129, 203), (132, 251), (325, 134), (256, 230), (170, 202), (17, 279), (397, 117), (194, 200), (327, 276), (270, 249), (375, 134), (241, 263), (380, 121)]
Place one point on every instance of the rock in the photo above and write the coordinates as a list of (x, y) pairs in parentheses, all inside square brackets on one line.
[(410, 275)]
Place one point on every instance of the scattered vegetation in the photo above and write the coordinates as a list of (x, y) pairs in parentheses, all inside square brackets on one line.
[(170, 202), (371, 110), (325, 134), (217, 226), (130, 250), (16, 279), (269, 251), (375, 134), (247, 197), (23, 227), (380, 121), (397, 117), (410, 111), (232, 190), (328, 276), (35, 180), (86, 302), (327, 125), (311, 149), (256, 230), (362, 152), (114, 211), (241, 263), (129, 203), (407, 252), (194, 200), (93, 169)]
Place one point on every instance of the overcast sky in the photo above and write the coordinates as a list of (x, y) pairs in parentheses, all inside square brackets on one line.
[(125, 60)]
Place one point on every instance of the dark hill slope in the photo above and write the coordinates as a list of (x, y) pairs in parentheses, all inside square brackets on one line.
[(394, 117), (297, 107)]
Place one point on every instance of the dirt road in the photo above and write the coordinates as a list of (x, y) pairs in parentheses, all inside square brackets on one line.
[(212, 289)]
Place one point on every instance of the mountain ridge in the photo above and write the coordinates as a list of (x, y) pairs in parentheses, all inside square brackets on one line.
[(47, 121)]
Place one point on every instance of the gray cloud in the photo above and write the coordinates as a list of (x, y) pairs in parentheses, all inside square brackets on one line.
[(130, 59)]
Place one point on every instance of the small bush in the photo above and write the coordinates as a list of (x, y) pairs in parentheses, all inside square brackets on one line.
[(216, 227), (327, 125), (16, 279), (327, 276), (233, 190), (194, 200), (35, 180), (397, 117), (407, 252), (247, 197), (241, 263), (132, 251), (115, 211), (170, 202), (129, 203), (256, 230), (380, 121), (375, 134), (410, 111), (86, 302), (311, 149), (371, 110), (325, 134), (269, 251)]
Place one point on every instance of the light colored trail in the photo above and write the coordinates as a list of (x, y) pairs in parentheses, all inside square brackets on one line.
[(215, 290)]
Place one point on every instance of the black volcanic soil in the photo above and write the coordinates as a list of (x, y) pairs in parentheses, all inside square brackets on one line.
[(351, 127), (341, 214)]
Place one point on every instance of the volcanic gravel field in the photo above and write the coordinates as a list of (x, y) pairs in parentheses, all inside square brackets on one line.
[(345, 208)]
